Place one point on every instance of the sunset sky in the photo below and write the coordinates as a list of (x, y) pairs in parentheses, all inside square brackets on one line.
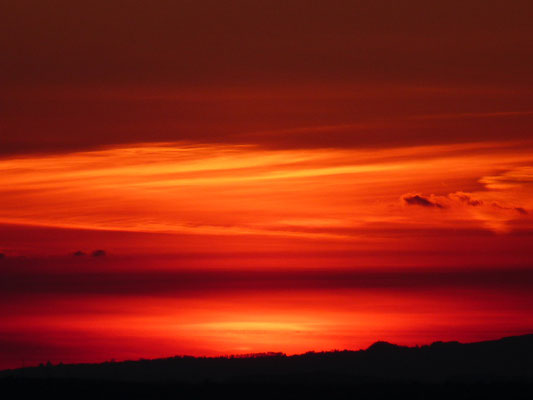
[(263, 176)]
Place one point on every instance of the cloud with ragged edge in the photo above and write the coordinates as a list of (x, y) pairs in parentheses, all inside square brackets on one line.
[(506, 198), (420, 200), (448, 201), (466, 199), (495, 215), (520, 210)]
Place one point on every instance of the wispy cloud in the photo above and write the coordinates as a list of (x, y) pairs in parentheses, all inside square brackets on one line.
[(327, 194)]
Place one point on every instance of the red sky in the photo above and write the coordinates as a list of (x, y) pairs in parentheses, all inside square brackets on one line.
[(277, 176)]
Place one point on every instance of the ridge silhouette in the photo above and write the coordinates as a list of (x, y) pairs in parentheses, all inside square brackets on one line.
[(510, 358)]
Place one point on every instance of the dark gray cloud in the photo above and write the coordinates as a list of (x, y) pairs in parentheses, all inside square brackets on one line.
[(420, 200)]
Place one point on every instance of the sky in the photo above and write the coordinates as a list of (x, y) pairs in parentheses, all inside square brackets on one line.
[(262, 176)]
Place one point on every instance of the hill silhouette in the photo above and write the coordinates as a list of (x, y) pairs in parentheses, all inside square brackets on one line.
[(441, 366)]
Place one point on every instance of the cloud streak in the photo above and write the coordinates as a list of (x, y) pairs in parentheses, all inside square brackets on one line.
[(80, 280), (331, 195)]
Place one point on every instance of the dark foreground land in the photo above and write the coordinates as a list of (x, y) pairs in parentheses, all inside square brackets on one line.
[(500, 369)]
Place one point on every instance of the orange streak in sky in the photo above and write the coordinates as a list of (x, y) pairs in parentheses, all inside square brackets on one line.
[(244, 190)]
